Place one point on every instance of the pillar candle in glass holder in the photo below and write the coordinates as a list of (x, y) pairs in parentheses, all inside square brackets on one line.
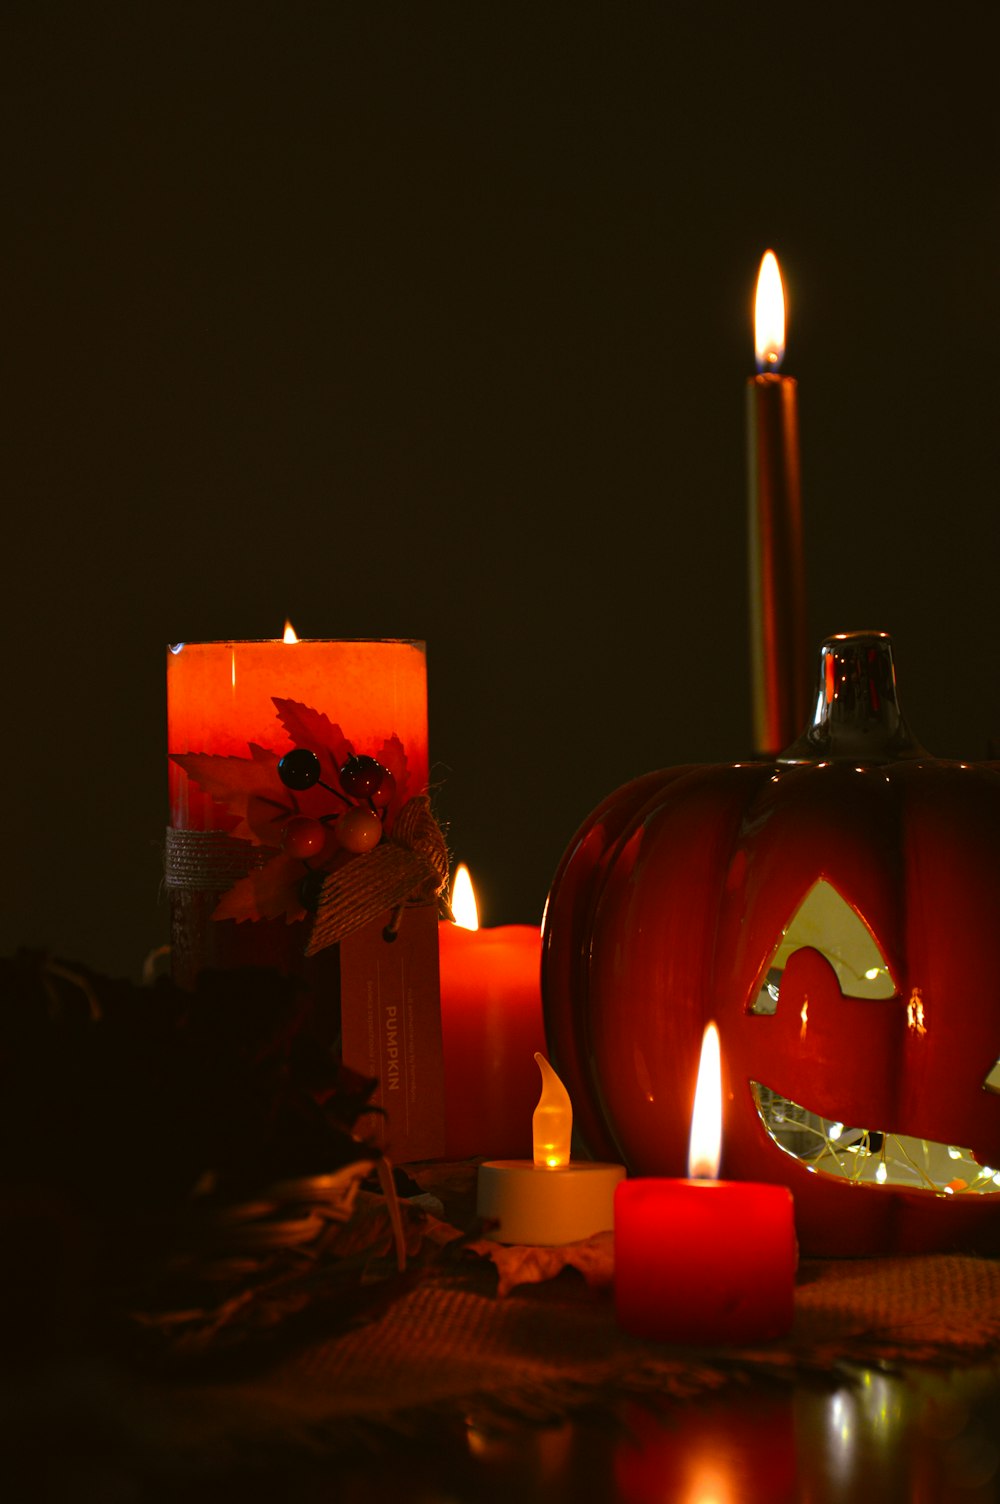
[(220, 700), (778, 656), (491, 1022), (704, 1260), (235, 875)]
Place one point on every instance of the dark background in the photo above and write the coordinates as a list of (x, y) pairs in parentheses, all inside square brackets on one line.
[(435, 321)]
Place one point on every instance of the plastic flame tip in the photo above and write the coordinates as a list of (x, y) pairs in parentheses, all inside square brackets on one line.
[(552, 1120), (464, 908), (290, 634), (769, 315), (705, 1148)]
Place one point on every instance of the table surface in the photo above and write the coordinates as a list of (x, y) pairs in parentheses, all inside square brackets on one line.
[(920, 1437), (913, 1435), (88, 1428)]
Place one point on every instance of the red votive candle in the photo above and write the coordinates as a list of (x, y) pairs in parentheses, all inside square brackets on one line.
[(704, 1261)]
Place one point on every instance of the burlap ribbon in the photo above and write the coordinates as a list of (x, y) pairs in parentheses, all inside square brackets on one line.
[(411, 866), (209, 861)]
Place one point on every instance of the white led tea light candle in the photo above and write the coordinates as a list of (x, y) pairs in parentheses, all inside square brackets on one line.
[(548, 1200)]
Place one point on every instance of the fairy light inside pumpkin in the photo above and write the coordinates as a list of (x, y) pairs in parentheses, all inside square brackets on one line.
[(915, 1016), (551, 1121), (869, 1156), (826, 922)]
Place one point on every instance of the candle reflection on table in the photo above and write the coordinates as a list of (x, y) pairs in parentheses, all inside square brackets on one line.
[(725, 1457), (919, 1436)]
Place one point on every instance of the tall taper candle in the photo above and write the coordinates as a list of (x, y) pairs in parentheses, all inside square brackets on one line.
[(778, 658)]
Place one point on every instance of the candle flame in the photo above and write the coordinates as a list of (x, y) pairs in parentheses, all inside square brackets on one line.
[(769, 315), (552, 1120), (465, 910), (289, 632), (705, 1149)]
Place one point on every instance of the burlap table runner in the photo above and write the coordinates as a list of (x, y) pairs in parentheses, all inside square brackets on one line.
[(449, 1346)]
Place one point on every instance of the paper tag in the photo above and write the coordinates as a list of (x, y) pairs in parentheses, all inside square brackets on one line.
[(390, 1020)]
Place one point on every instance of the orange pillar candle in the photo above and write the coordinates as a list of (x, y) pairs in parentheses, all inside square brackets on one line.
[(220, 700), (491, 1025), (371, 998)]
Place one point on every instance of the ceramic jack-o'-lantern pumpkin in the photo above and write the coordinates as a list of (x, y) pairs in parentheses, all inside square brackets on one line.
[(837, 913)]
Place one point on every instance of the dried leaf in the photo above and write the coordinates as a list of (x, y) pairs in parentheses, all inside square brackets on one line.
[(265, 819), (249, 787), (392, 756), (370, 1232), (334, 1195), (314, 730), (593, 1257), (269, 893), (225, 778)]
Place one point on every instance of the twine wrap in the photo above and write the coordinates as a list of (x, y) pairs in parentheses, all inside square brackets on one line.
[(209, 861), (410, 867)]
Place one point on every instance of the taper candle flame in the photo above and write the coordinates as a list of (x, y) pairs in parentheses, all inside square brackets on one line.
[(552, 1120), (705, 1147), (769, 315), (290, 634), (464, 909)]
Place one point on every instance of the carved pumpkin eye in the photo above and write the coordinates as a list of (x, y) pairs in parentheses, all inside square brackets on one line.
[(825, 921)]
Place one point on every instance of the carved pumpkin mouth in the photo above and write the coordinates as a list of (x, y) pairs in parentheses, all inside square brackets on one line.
[(868, 1157)]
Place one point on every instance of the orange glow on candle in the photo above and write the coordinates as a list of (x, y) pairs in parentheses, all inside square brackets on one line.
[(290, 634), (705, 1147), (220, 700), (769, 315)]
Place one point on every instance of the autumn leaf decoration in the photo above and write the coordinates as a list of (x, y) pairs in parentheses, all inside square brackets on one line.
[(344, 888)]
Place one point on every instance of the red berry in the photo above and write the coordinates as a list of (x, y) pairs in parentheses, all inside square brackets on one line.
[(360, 776), (303, 837), (384, 790), (359, 829), (299, 769)]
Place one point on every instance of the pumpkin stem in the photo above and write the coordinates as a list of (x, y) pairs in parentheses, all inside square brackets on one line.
[(857, 716)]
